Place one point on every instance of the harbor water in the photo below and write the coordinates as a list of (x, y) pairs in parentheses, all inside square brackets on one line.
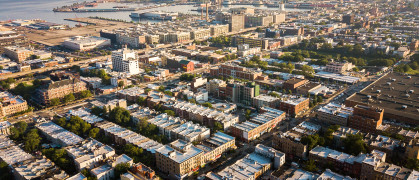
[(42, 9)]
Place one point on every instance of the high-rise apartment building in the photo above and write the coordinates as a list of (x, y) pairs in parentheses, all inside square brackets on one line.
[(125, 60), (235, 21), (242, 93), (348, 19)]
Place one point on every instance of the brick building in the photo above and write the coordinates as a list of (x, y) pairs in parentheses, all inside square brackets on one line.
[(58, 89), (10, 104), (290, 141), (258, 125), (294, 105), (204, 115), (235, 71), (294, 83), (183, 65), (366, 118), (339, 67)]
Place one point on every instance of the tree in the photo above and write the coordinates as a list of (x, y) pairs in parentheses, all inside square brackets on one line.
[(396, 45), (310, 166), (36, 82), (218, 126), (298, 58), (328, 135), (354, 144), (10, 80), (121, 168), (141, 101), (61, 121), (311, 141), (319, 99), (192, 101), (274, 94), (69, 97), (326, 47), (162, 88), (32, 140), (102, 73), (259, 29), (98, 111), (21, 126), (413, 164), (85, 94), (168, 93), (120, 115), (169, 112), (307, 70), (18, 130), (54, 102), (290, 67), (357, 51), (187, 77), (4, 171), (121, 84), (247, 114), (77, 126), (207, 104), (85, 172), (93, 132)]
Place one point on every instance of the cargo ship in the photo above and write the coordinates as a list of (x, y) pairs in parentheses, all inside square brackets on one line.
[(105, 10), (155, 15), (227, 2), (134, 15)]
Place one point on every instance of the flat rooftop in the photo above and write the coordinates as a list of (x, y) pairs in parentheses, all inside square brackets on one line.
[(337, 77), (189, 151), (396, 93)]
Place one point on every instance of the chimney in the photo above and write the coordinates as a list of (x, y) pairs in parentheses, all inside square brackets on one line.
[(202, 13), (207, 11)]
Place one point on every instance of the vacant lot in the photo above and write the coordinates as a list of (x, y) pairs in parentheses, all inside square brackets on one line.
[(56, 37)]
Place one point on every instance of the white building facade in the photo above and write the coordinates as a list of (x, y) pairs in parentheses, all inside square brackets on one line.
[(125, 60)]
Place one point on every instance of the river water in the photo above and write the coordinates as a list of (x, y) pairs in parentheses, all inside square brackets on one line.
[(42, 9)]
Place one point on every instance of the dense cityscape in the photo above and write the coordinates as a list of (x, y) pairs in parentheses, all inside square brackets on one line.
[(210, 90)]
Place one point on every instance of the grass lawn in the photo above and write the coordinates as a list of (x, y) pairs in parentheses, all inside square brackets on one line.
[(413, 72)]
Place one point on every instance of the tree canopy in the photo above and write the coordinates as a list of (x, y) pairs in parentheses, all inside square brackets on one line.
[(312, 141), (354, 144), (120, 115), (18, 130), (69, 97), (32, 140), (169, 112)]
